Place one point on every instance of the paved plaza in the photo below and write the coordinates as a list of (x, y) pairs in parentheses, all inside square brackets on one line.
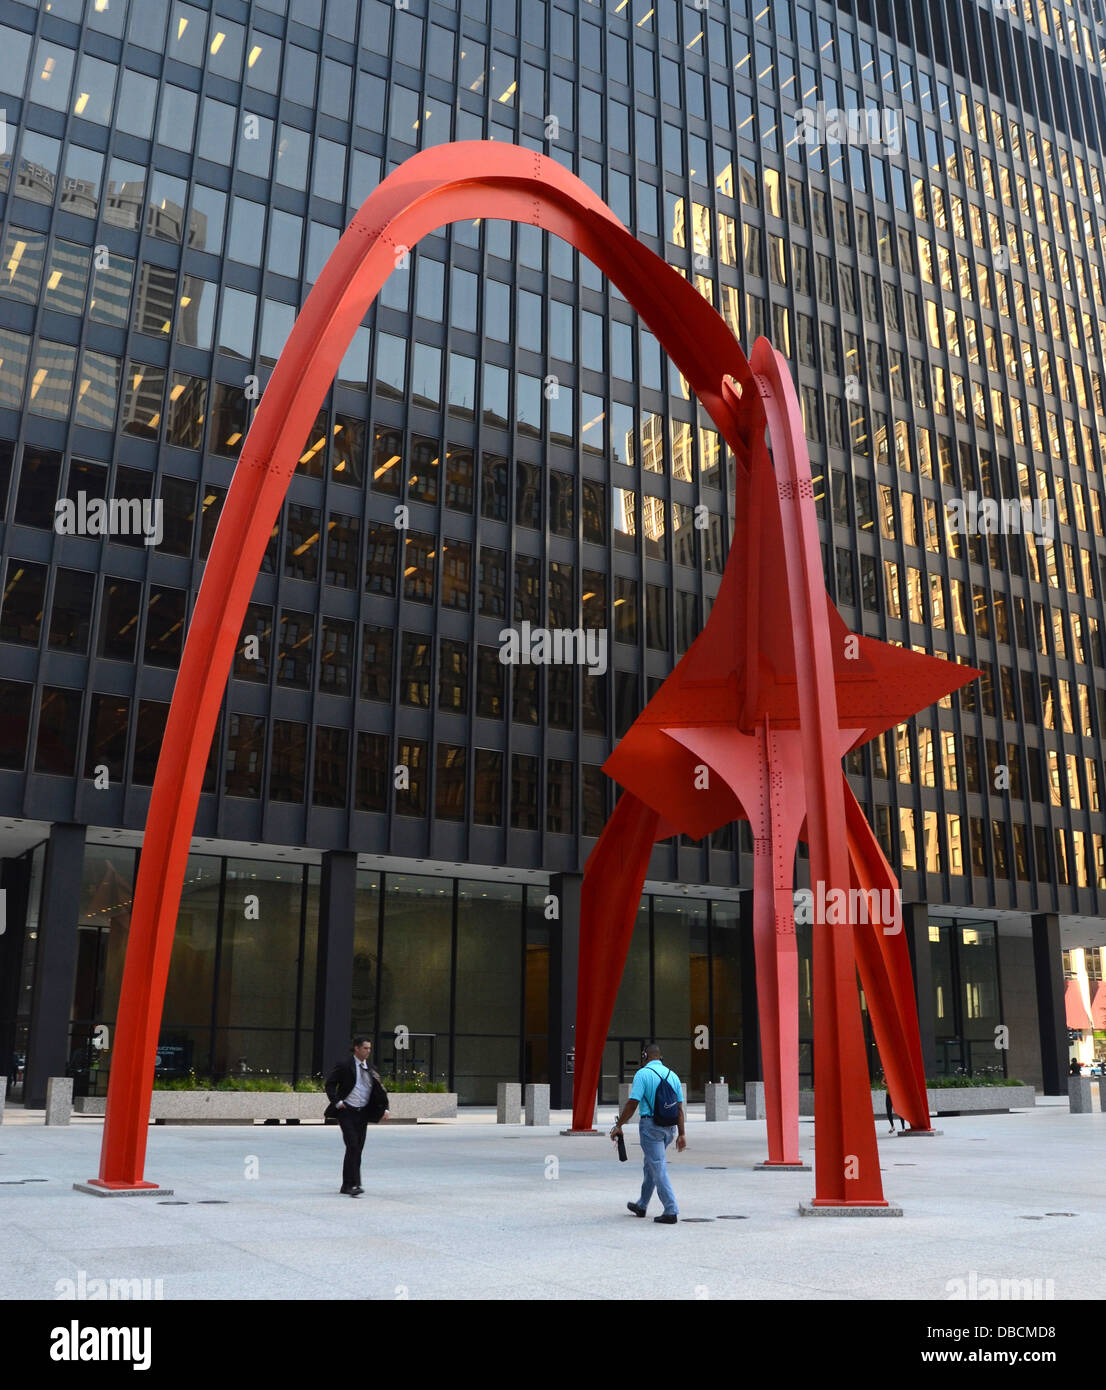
[(469, 1209)]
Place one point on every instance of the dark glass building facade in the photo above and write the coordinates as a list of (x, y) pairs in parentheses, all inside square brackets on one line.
[(505, 443)]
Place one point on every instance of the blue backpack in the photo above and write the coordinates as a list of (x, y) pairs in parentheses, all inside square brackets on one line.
[(666, 1103)]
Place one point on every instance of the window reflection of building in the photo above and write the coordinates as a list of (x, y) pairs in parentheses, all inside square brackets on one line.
[(35, 183), (652, 443)]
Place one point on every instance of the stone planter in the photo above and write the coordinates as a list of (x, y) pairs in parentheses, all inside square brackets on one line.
[(976, 1100), (248, 1107), (422, 1105), (952, 1100)]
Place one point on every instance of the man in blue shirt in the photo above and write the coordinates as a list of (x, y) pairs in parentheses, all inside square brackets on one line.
[(654, 1138)]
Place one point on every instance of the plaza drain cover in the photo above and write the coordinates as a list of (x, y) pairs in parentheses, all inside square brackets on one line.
[(172, 1204), (733, 1218), (698, 1220), (1061, 1213), (211, 1202), (906, 1165), (715, 1168), (1032, 1218)]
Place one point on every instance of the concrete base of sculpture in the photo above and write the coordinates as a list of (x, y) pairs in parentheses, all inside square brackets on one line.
[(781, 1167), (91, 1190), (918, 1133), (809, 1209)]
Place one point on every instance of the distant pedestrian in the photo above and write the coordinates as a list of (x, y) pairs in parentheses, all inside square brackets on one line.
[(653, 1077), (1075, 1069), (891, 1115), (357, 1099)]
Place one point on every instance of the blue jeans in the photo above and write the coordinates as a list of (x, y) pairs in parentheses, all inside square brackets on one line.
[(654, 1140)]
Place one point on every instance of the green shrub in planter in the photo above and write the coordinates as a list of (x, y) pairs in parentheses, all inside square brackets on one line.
[(191, 1082), (309, 1083), (945, 1083), (416, 1082), (252, 1083)]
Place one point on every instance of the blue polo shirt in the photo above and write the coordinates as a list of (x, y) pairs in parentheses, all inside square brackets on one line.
[(645, 1085)]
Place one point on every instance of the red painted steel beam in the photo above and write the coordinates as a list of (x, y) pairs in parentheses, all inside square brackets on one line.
[(883, 962), (846, 1158), (610, 895)]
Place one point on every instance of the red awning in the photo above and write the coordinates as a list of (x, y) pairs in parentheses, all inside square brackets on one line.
[(1098, 1006), (1073, 1007)]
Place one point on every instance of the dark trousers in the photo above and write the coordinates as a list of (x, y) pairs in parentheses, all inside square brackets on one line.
[(354, 1123)]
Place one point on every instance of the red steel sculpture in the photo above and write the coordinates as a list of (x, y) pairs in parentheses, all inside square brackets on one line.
[(753, 722)]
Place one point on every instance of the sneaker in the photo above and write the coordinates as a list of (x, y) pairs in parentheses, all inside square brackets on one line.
[(633, 1206), (666, 1220)]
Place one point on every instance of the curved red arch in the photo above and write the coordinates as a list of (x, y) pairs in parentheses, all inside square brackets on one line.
[(448, 183)]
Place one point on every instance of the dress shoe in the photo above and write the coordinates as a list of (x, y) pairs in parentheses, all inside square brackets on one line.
[(356, 1191), (666, 1220), (633, 1206)]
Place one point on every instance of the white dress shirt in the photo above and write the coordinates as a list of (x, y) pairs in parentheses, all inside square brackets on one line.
[(358, 1098)]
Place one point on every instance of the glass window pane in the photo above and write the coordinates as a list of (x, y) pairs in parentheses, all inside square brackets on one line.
[(52, 376), (14, 350), (137, 99), (21, 262), (95, 90), (16, 48), (98, 390), (82, 181), (22, 602), (51, 75)]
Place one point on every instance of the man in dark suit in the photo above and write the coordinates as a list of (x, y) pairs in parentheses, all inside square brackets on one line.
[(357, 1099)]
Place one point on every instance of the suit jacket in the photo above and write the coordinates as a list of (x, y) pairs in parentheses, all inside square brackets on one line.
[(341, 1082)]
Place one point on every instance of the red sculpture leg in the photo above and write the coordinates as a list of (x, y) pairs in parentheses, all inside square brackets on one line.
[(609, 900), (883, 961), (758, 767), (847, 1161)]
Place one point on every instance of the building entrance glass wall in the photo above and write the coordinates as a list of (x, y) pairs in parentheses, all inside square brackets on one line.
[(681, 988)]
